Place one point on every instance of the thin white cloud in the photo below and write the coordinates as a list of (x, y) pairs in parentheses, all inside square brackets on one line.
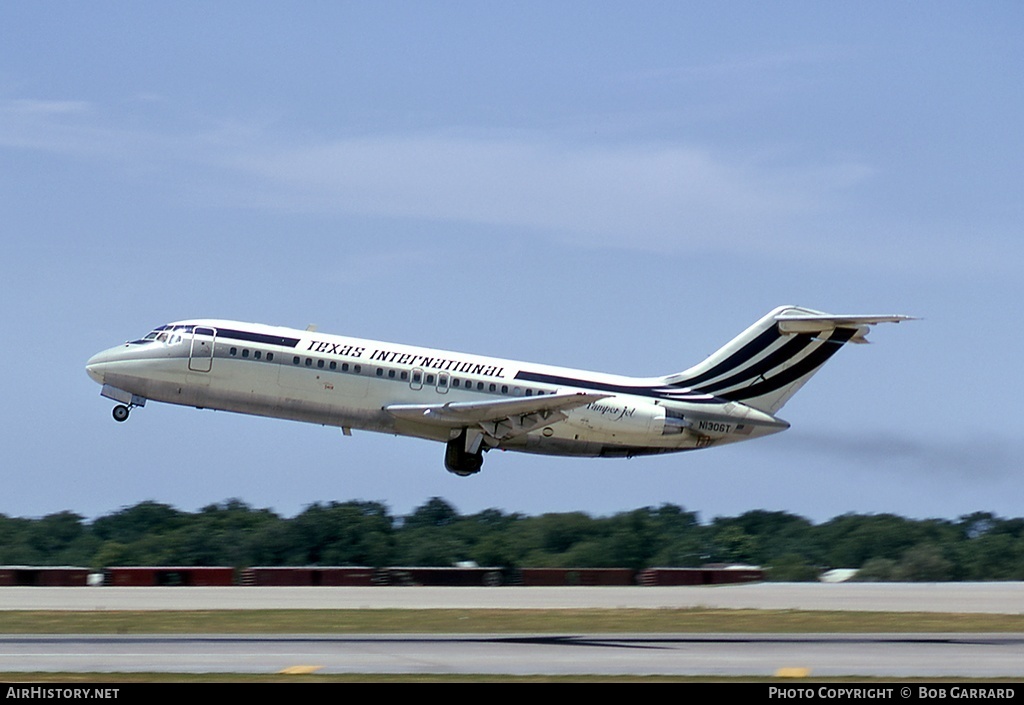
[(647, 196), (27, 107), (750, 66), (654, 196), (47, 125)]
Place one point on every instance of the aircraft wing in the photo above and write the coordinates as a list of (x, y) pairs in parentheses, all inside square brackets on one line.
[(827, 322), (498, 419)]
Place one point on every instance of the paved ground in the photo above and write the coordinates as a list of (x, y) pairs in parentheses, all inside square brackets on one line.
[(998, 598), (876, 655)]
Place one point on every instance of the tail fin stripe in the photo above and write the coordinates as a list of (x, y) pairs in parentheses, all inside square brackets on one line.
[(818, 357), (786, 352), (750, 350)]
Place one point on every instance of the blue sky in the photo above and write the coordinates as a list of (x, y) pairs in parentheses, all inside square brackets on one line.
[(610, 186)]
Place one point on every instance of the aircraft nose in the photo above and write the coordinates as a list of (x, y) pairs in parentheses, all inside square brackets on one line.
[(97, 364)]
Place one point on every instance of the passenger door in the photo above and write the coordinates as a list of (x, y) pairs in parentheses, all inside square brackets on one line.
[(200, 356)]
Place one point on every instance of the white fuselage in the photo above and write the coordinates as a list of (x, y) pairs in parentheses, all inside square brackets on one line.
[(371, 385)]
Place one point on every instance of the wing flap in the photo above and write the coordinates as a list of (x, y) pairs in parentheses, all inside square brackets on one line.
[(498, 420), (458, 414)]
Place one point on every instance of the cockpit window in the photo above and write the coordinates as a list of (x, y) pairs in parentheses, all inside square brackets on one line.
[(164, 334), (150, 337)]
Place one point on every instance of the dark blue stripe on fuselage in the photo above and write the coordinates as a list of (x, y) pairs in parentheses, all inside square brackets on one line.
[(558, 380), (811, 362), (748, 351), (257, 337)]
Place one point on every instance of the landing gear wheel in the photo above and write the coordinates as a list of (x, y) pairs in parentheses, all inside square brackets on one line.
[(120, 413), (458, 461)]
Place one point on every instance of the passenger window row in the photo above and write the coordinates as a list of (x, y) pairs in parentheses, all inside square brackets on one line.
[(256, 354), (327, 365), (417, 377)]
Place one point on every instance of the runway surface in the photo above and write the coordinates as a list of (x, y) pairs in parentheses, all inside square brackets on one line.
[(878, 655), (995, 598), (875, 655)]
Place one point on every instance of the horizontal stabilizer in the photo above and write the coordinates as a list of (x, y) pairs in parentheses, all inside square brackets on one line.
[(816, 323)]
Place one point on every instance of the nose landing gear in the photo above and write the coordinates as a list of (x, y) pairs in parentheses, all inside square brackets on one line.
[(128, 401)]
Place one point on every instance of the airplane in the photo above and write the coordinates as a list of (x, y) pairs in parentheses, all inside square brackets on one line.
[(472, 403)]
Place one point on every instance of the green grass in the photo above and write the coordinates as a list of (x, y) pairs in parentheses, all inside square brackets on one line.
[(479, 621)]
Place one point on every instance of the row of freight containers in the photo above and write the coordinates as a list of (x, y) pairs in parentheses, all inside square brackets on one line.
[(361, 576)]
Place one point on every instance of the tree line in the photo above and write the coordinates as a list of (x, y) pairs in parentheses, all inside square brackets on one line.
[(978, 546)]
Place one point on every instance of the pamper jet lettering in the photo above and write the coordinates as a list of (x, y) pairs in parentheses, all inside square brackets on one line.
[(614, 413)]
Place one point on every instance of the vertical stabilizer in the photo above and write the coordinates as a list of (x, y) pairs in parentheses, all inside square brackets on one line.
[(768, 363)]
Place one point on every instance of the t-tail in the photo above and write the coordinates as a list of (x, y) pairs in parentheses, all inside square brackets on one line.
[(768, 363)]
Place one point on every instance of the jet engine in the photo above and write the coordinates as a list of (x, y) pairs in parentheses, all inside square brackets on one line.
[(618, 417)]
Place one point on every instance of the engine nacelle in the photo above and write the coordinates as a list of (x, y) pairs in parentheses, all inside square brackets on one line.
[(618, 417)]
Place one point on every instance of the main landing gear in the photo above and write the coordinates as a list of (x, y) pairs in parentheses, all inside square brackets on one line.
[(121, 412), (460, 460)]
